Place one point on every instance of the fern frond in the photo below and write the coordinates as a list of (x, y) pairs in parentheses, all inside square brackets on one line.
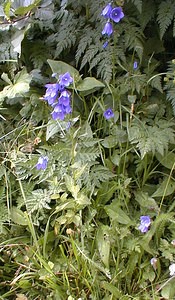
[(89, 55), (137, 3), (134, 38), (105, 67), (148, 13), (152, 138), (84, 43), (37, 200), (170, 85), (166, 14)]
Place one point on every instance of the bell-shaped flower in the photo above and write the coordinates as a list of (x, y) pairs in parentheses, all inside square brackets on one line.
[(116, 14), (108, 114), (42, 163), (65, 79), (145, 223), (51, 92), (106, 11), (64, 98), (108, 29)]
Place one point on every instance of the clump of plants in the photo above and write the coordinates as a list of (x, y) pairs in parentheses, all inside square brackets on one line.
[(87, 150)]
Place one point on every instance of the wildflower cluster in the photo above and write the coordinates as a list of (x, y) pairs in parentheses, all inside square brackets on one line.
[(111, 14), (59, 97)]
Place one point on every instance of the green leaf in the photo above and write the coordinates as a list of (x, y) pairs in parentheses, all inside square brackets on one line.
[(7, 7), (18, 216), (116, 213), (145, 200), (103, 245), (52, 128), (74, 189), (109, 141), (26, 6), (167, 160), (112, 289), (17, 38), (166, 188), (20, 86), (89, 84), (61, 67), (168, 291), (5, 77)]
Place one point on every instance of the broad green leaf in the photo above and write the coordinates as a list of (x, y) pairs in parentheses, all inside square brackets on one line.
[(52, 128), (112, 289), (145, 200), (23, 7), (116, 213), (20, 86), (109, 141), (103, 244), (166, 188), (82, 199), (89, 83), (17, 38), (167, 160), (74, 189), (115, 158), (168, 291), (5, 77), (18, 216), (7, 7), (60, 67)]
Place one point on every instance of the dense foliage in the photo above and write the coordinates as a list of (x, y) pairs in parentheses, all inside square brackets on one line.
[(87, 104)]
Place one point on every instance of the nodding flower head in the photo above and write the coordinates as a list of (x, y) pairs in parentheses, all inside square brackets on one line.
[(65, 79), (42, 163), (106, 11), (145, 223), (52, 90), (108, 29)]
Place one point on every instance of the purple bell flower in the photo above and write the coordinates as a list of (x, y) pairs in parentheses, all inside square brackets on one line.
[(65, 79), (51, 92), (108, 29), (116, 14), (106, 11), (108, 114), (42, 163), (64, 98), (145, 223)]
